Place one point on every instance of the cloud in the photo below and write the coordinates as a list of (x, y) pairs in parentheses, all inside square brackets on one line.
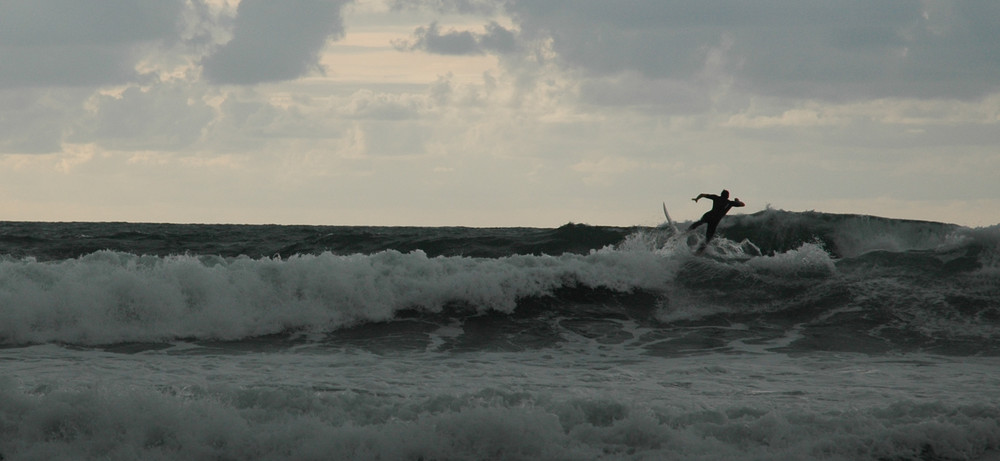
[(837, 51), (34, 119), (275, 41), (495, 39), (163, 117), (366, 104), (483, 7), (633, 89), (790, 118), (57, 22), (68, 43)]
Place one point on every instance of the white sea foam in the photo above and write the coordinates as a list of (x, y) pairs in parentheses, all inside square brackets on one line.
[(108, 297), (497, 406), (808, 259)]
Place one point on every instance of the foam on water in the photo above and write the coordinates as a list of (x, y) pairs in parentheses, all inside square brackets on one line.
[(498, 406), (795, 336), (109, 297)]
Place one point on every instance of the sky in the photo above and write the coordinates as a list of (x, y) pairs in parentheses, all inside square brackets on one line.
[(496, 113)]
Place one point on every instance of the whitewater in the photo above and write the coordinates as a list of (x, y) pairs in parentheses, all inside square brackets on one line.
[(798, 335)]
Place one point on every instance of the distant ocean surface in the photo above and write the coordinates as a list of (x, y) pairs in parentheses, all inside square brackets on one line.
[(796, 336)]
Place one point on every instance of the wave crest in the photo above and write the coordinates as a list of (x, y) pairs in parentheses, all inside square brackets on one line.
[(108, 296)]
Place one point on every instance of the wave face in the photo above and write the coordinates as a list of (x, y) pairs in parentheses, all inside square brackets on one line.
[(821, 281)]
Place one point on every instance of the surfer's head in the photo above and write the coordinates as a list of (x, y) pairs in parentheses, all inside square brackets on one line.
[(725, 193)]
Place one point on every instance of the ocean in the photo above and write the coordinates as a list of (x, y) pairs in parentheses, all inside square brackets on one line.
[(796, 336)]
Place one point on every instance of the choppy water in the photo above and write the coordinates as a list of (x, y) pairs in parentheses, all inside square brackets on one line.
[(797, 336)]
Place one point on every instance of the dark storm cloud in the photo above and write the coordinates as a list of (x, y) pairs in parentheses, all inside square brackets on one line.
[(496, 39), (275, 41), (74, 43), (835, 50)]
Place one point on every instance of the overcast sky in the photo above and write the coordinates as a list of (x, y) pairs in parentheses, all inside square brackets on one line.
[(496, 112)]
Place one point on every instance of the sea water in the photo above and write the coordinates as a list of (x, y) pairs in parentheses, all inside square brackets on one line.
[(795, 336)]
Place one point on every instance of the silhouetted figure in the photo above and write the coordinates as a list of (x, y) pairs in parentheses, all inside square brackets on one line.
[(720, 206)]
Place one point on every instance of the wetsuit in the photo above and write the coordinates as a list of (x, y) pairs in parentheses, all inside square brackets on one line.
[(720, 206)]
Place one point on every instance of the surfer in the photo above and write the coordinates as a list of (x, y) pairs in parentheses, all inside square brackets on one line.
[(720, 206)]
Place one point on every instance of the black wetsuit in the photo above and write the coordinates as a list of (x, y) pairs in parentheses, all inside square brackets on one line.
[(720, 206)]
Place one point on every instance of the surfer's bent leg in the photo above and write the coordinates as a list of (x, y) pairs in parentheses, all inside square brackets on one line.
[(704, 219)]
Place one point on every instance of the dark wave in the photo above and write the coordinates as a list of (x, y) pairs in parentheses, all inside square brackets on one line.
[(460, 241), (844, 235), (54, 241)]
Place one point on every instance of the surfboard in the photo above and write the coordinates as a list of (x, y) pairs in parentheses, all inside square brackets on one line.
[(670, 222)]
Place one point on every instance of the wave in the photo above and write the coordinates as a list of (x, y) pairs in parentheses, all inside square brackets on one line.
[(888, 281), (848, 235), (57, 241), (231, 422), (109, 296)]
